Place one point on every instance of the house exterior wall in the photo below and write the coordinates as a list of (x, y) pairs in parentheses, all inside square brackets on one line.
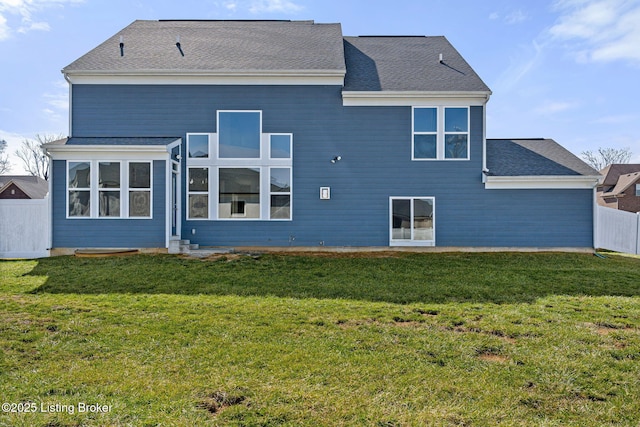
[(630, 202), (13, 192), (102, 232), (375, 146)]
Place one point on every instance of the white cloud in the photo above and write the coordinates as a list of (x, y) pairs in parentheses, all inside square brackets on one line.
[(528, 57), (512, 18), (618, 120), (555, 107), (274, 6), (599, 30), (515, 17), (24, 12), (4, 28)]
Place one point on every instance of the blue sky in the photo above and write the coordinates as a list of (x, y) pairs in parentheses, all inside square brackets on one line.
[(562, 69)]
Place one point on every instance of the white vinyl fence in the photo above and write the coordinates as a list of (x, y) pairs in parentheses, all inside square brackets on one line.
[(24, 228), (617, 230)]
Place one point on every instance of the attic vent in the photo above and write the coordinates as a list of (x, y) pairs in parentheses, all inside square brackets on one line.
[(121, 45), (179, 46)]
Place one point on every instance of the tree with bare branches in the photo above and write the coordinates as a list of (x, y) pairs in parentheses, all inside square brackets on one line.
[(5, 165), (35, 161), (606, 156)]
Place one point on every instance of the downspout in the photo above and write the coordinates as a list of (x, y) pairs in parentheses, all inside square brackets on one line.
[(66, 77)]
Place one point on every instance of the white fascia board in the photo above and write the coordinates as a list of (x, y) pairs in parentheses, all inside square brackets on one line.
[(413, 98), (540, 182), (120, 152), (223, 77)]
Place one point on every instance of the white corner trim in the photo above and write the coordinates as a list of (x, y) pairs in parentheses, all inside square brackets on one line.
[(413, 98), (218, 77), (539, 182)]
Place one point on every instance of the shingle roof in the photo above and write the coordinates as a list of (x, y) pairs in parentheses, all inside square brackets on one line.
[(210, 46), (371, 63), (624, 182), (407, 64), (533, 157), (612, 172), (33, 186)]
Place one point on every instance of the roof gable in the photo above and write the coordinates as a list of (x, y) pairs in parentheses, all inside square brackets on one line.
[(613, 172), (624, 182), (33, 186)]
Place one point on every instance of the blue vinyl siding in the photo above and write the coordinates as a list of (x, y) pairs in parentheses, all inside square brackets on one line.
[(375, 146), (107, 233)]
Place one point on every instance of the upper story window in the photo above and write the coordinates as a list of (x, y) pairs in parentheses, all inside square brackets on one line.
[(198, 146), (637, 189), (440, 133), (239, 134), (247, 175)]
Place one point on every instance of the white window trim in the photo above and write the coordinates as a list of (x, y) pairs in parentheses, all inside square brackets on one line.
[(290, 135), (280, 193), (440, 133), (94, 190), (217, 145), (208, 145), (411, 242), (207, 193), (264, 163)]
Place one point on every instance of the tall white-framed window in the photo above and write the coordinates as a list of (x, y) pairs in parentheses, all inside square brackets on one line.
[(637, 189), (78, 189), (198, 192), (440, 133), (412, 221), (280, 193), (250, 172), (109, 189), (109, 180), (139, 191)]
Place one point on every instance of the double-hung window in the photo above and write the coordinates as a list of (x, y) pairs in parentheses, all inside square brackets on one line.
[(440, 133), (250, 171), (79, 189)]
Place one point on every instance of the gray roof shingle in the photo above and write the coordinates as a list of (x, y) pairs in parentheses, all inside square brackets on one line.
[(533, 157), (209, 46), (33, 186), (371, 63), (397, 63), (613, 172)]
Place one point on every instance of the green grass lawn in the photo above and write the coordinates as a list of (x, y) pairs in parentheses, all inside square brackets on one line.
[(399, 340)]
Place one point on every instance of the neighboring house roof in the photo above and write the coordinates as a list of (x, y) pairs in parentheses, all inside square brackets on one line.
[(217, 46), (33, 186), (624, 182), (612, 172), (533, 157), (378, 63)]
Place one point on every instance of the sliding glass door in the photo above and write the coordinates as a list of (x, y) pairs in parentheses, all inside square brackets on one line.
[(412, 221)]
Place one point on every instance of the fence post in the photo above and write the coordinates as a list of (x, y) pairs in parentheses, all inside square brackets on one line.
[(637, 233)]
